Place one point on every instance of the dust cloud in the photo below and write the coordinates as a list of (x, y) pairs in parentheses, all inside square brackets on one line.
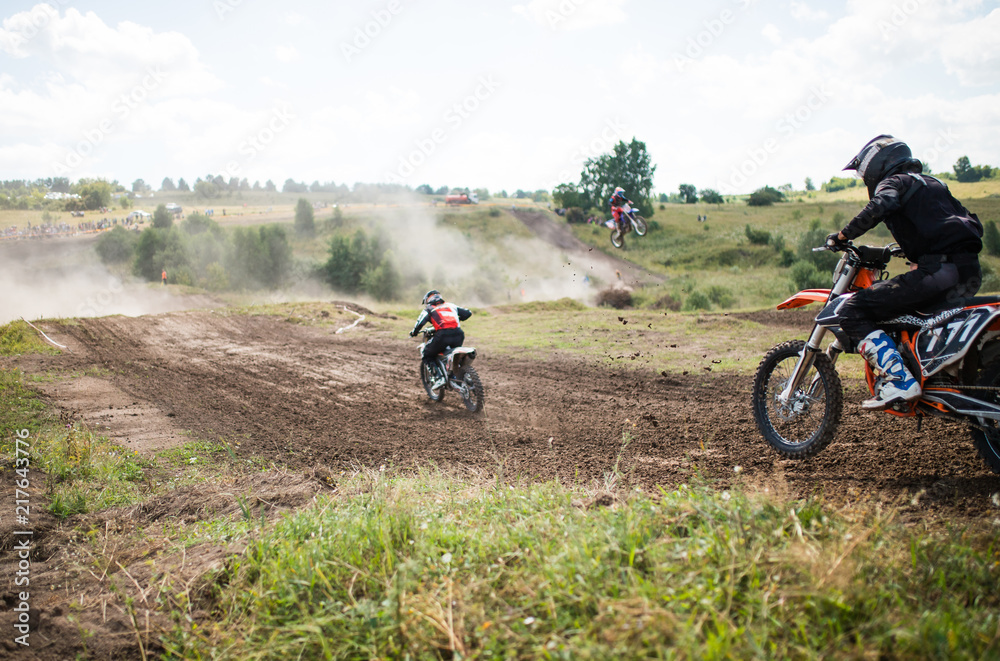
[(500, 269), (63, 277)]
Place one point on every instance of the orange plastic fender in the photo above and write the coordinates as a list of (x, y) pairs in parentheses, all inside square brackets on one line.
[(805, 297)]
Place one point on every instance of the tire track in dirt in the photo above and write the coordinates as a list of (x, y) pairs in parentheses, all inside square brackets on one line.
[(305, 396)]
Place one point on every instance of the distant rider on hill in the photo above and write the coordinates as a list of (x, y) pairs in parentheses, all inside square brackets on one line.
[(618, 200), (446, 318), (938, 235)]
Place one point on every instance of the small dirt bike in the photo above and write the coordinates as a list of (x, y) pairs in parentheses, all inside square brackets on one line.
[(630, 220), (952, 349), (461, 376)]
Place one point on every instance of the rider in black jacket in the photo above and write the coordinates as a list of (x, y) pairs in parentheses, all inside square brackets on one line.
[(941, 239)]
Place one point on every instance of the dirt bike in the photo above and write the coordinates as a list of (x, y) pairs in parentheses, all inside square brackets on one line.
[(630, 220), (456, 365), (953, 349)]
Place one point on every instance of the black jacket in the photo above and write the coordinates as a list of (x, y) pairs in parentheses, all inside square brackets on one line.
[(923, 216)]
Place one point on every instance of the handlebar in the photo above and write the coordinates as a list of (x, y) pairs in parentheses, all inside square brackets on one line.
[(847, 246)]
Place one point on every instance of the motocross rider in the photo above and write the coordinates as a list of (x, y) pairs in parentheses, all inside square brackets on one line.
[(940, 238), (618, 200), (446, 318)]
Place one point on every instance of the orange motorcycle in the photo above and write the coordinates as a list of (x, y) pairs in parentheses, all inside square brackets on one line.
[(953, 349)]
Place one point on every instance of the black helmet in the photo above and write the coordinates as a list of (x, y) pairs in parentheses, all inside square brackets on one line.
[(881, 157), (433, 297)]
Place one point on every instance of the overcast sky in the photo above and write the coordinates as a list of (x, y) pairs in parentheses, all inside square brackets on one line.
[(726, 94)]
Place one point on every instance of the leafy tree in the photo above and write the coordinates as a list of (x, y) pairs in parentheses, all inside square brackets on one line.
[(350, 258), (441, 191), (765, 197), (206, 189), (567, 196), (664, 198), (383, 282), (305, 221), (840, 183), (59, 185), (291, 186), (94, 193), (966, 172), (196, 223), (168, 185), (270, 187), (628, 166), (425, 189), (575, 215), (182, 185), (139, 186), (162, 218), (711, 196), (117, 246), (520, 194), (688, 192), (483, 194), (159, 249), (809, 184), (261, 255)]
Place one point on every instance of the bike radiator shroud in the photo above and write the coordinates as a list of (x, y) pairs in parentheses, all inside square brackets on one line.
[(941, 340)]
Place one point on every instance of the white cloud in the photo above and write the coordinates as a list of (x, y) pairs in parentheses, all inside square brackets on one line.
[(971, 50), (572, 14), (772, 33), (286, 54), (294, 19), (803, 12)]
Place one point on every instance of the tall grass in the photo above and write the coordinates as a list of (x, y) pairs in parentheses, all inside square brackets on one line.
[(429, 567)]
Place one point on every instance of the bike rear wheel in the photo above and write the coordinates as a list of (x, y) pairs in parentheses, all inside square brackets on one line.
[(617, 240), (474, 396), (427, 379), (639, 224), (986, 437), (805, 424)]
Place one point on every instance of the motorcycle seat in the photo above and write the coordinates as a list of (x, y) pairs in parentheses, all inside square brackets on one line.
[(957, 303)]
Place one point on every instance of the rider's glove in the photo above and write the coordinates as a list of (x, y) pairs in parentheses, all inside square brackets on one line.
[(834, 241), (413, 333)]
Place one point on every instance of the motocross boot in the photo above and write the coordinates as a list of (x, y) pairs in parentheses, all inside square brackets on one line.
[(439, 378), (894, 382)]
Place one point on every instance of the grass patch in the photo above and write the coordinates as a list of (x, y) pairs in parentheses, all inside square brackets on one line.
[(18, 338), (429, 567), (84, 471)]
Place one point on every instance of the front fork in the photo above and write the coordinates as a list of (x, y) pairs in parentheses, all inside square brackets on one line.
[(806, 360)]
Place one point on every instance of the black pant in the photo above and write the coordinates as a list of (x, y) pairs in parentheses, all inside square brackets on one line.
[(447, 337), (930, 284)]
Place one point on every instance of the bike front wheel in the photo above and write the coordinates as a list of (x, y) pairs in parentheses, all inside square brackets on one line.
[(639, 225), (807, 422), (427, 379)]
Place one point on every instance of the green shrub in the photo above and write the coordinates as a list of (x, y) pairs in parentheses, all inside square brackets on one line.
[(721, 296), (697, 300), (757, 237), (991, 238), (765, 197), (805, 275), (117, 246)]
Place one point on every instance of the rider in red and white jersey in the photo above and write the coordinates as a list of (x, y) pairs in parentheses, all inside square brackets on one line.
[(446, 319)]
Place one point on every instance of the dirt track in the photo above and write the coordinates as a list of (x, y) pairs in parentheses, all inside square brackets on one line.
[(305, 396)]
